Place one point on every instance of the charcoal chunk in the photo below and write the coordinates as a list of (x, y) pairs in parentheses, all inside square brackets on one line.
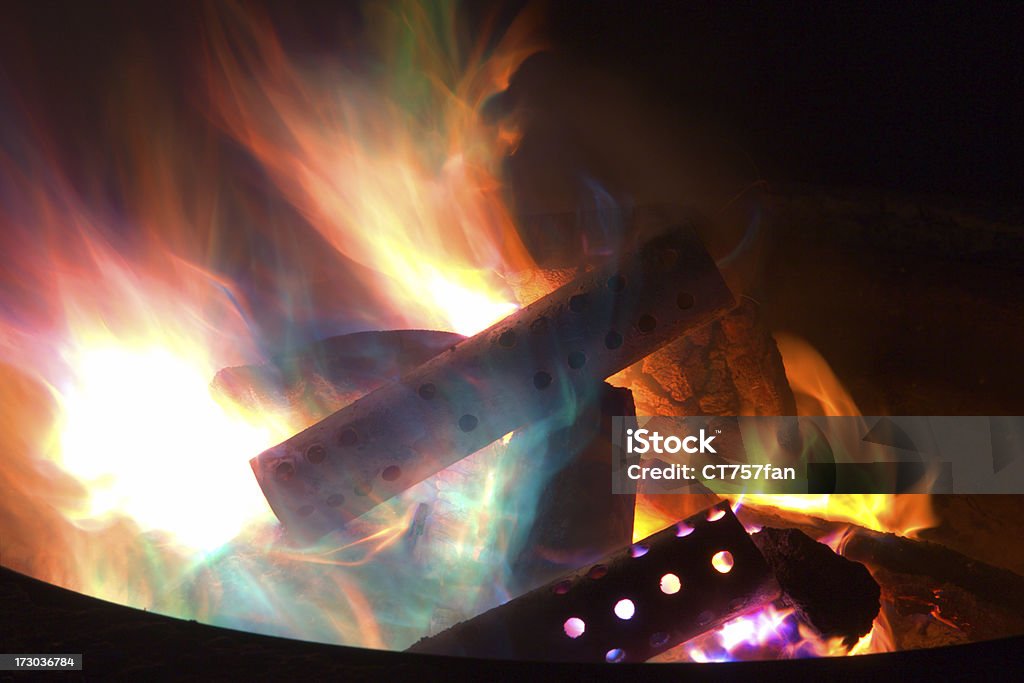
[(833, 595)]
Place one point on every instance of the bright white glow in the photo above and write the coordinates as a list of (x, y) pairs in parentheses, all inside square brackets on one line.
[(722, 561), (142, 431), (754, 629), (715, 514), (574, 627), (670, 584), (467, 310), (625, 609)]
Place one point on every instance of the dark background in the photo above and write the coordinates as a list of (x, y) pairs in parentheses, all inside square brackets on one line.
[(919, 97)]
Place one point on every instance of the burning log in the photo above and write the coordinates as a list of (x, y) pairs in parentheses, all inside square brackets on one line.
[(535, 366), (731, 367), (311, 383), (632, 605), (934, 595), (835, 596), (577, 517)]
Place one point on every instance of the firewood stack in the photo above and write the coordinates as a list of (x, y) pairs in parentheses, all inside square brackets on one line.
[(387, 410)]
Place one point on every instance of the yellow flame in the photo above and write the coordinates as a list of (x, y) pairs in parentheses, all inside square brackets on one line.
[(409, 191), (819, 392), (133, 412)]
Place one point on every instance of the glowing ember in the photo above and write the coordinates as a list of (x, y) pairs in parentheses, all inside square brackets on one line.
[(682, 530), (625, 609), (722, 561), (670, 584), (574, 627)]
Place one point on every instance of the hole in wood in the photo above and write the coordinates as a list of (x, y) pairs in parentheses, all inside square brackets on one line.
[(597, 571), (615, 655), (578, 303), (577, 359), (625, 609), (541, 380), (646, 324), (683, 530), (316, 454), (612, 340), (722, 561), (616, 283), (658, 639), (391, 473), (684, 301), (468, 423), (715, 514), (427, 391), (348, 438), (284, 471), (507, 339), (574, 627), (670, 584), (639, 550)]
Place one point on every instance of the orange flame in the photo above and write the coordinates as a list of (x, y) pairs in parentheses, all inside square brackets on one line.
[(115, 451), (121, 472), (819, 392), (409, 192)]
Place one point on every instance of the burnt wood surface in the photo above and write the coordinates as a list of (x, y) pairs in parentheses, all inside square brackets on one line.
[(576, 519), (932, 595), (310, 383), (529, 367), (730, 367), (834, 595), (674, 582)]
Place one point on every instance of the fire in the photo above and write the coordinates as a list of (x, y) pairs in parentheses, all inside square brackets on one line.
[(772, 633), (127, 480), (819, 392), (113, 442), (403, 183), (124, 478)]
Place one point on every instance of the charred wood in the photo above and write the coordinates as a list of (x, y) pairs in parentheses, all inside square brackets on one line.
[(634, 604), (534, 366), (832, 594), (576, 518)]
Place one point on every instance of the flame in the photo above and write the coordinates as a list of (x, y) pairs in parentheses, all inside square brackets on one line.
[(402, 183), (772, 632), (126, 479), (112, 441), (123, 477), (122, 338), (819, 392)]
